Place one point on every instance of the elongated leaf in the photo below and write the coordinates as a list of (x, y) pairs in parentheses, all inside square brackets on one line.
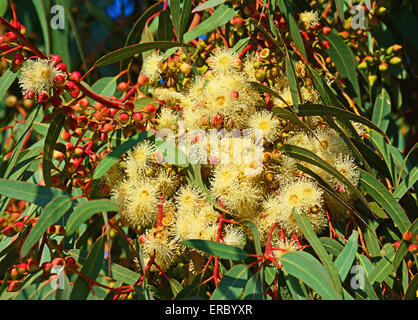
[(288, 14), (6, 81), (85, 211), (130, 51), (175, 286), (43, 21), (345, 62), (310, 235), (91, 268), (207, 4), (322, 110), (107, 162), (221, 16), (53, 211), (406, 184), (306, 268), (220, 250), (411, 292), (39, 195), (50, 141), (232, 284), (384, 267), (253, 289), (332, 246), (346, 257), (385, 199), (3, 9), (382, 110), (20, 140), (340, 9), (257, 245), (165, 27), (180, 17), (294, 286), (293, 85)]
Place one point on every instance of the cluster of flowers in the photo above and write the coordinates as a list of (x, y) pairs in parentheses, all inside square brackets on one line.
[(159, 202)]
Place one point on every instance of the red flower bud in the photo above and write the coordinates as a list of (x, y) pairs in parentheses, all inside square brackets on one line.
[(59, 80), (407, 236), (10, 36), (137, 116), (61, 67), (21, 268), (57, 262), (150, 108), (326, 30), (5, 47), (143, 80), (13, 286), (32, 265), (18, 59), (8, 231), (107, 127), (123, 117), (75, 76), (325, 44), (42, 97), (55, 58), (413, 248), (129, 106), (123, 86), (19, 226)]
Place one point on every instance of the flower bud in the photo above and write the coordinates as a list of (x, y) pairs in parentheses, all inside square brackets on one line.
[(56, 58), (61, 67), (413, 248), (57, 262), (75, 76), (143, 80), (42, 97), (13, 286), (19, 226), (123, 86), (407, 236), (326, 30), (137, 116), (8, 231), (150, 108), (21, 268), (395, 60), (32, 266), (123, 118)]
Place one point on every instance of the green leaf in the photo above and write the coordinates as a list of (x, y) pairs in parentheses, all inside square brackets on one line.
[(322, 110), (340, 9), (294, 286), (346, 257), (220, 250), (43, 21), (3, 9), (53, 211), (305, 267), (411, 292), (382, 109), (130, 51), (6, 81), (323, 255), (253, 289), (288, 14), (76, 35), (20, 140), (232, 284), (50, 142), (107, 162), (175, 286), (221, 16), (39, 195), (85, 211), (384, 267), (91, 268), (406, 184), (332, 245), (180, 18), (293, 85), (257, 245), (135, 34), (345, 62), (385, 199), (207, 4), (165, 27)]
